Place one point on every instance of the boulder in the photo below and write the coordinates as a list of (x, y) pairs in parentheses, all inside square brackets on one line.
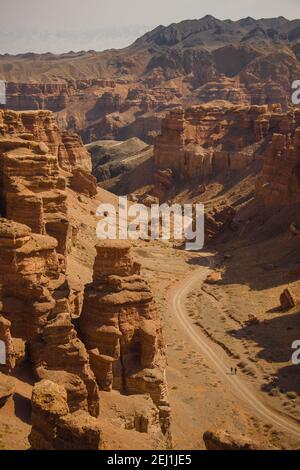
[(55, 428), (223, 440)]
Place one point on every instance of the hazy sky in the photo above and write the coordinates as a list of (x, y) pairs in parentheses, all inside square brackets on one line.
[(63, 25)]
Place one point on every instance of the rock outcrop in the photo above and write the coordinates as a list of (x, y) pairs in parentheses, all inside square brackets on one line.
[(121, 328), (78, 156), (222, 139), (33, 185), (33, 300), (223, 440), (7, 353), (218, 220), (225, 89), (54, 427), (33, 191), (39, 311), (7, 389), (279, 182), (54, 96), (208, 139), (83, 182), (42, 126), (290, 297)]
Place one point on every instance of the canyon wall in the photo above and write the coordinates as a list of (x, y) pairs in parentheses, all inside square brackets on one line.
[(205, 140), (279, 181), (54, 95), (35, 238), (122, 93), (37, 163), (41, 127), (35, 300)]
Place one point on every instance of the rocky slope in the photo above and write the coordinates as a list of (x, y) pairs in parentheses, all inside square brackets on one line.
[(120, 166)]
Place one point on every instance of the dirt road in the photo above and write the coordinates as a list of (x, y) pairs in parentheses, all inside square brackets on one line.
[(218, 358)]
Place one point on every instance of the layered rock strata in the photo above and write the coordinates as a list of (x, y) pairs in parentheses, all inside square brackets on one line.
[(121, 328), (33, 154), (83, 182), (42, 126), (208, 139), (7, 353), (279, 181), (33, 300), (33, 191), (54, 427)]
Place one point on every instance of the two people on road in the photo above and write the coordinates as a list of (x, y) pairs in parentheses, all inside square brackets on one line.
[(233, 370)]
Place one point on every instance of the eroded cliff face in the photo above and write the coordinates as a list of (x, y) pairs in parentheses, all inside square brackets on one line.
[(55, 95), (224, 89), (279, 181), (122, 330), (35, 301), (55, 427), (33, 188), (40, 311), (216, 138), (205, 140), (41, 126), (35, 237)]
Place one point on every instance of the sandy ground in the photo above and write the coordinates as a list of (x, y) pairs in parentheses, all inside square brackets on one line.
[(200, 398)]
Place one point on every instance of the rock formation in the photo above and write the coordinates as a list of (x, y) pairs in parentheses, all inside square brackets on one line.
[(290, 297), (42, 126), (7, 389), (83, 182), (33, 300), (54, 96), (279, 182), (205, 140), (54, 427), (33, 187), (38, 306), (7, 351), (33, 191), (223, 440), (218, 220), (225, 89), (78, 156), (121, 328)]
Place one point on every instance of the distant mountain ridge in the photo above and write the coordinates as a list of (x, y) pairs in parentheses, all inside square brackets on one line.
[(185, 42), (122, 93), (210, 32)]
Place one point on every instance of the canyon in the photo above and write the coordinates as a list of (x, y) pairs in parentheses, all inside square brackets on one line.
[(43, 173), (124, 345)]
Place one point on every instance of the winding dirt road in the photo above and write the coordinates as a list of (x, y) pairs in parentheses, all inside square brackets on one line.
[(216, 355)]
